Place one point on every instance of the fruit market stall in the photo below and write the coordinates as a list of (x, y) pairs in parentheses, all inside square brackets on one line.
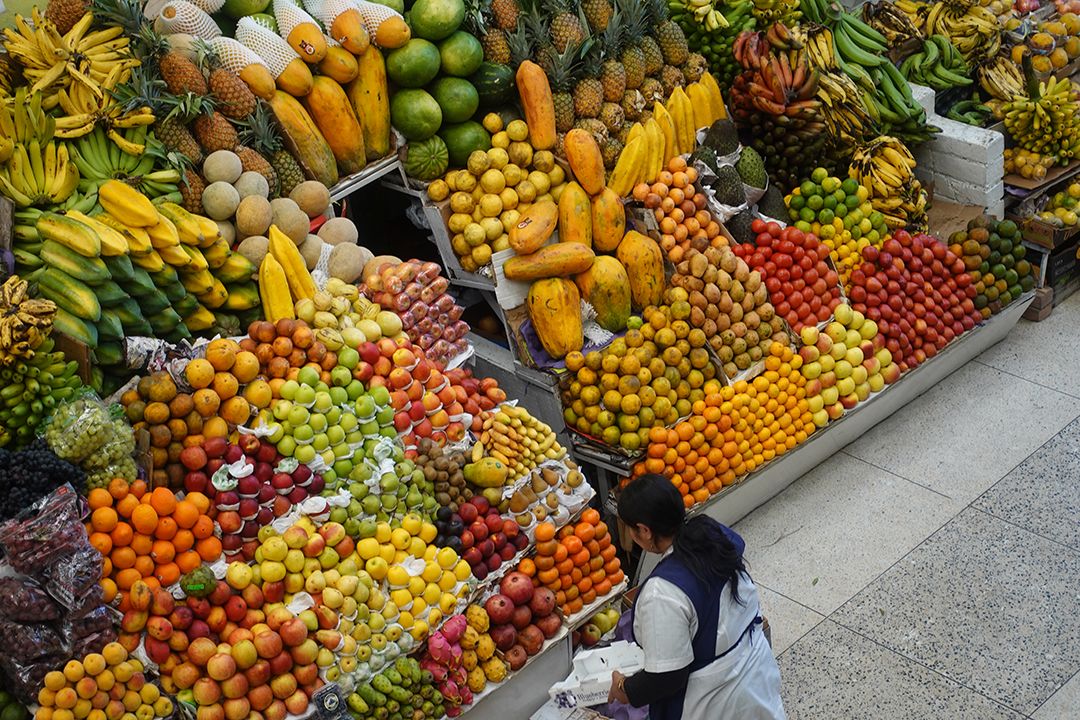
[(266, 444)]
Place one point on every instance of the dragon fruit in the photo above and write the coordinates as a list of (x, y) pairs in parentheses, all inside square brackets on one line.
[(453, 628), (450, 692), (440, 649), (438, 672)]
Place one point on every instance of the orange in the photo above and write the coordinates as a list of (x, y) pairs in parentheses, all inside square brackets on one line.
[(123, 558), (142, 544), (236, 410), (585, 531), (544, 562), (206, 403), (103, 519), (259, 393), (126, 505), (166, 529), (545, 531), (102, 542), (572, 545), (118, 488), (215, 427), (157, 413), (199, 500), (527, 567), (163, 501), (203, 527), (546, 547), (126, 578), (183, 540), (209, 549), (225, 385), (188, 560), (163, 552), (199, 373), (185, 514), (591, 516), (98, 498), (108, 589), (168, 573), (138, 488), (145, 519), (221, 354), (121, 535), (145, 565), (246, 366)]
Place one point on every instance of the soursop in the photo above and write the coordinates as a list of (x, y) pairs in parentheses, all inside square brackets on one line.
[(722, 137), (751, 168), (728, 186), (772, 205), (739, 226)]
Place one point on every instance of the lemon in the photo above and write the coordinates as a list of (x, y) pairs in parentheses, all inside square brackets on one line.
[(500, 140), (513, 174), (501, 243), (556, 175), (481, 254), (478, 162), (493, 228), (493, 181), (492, 122), (543, 160), (491, 205), (465, 181), (461, 202), (541, 181), (509, 197), (509, 219), (517, 130), (438, 190), (526, 191), (474, 234)]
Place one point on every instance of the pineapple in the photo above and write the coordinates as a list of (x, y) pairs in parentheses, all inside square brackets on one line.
[(566, 27), (624, 133), (588, 97), (191, 190), (612, 72), (613, 116), (652, 90), (633, 102), (560, 144), (214, 132), (645, 116), (672, 43), (65, 13), (534, 35), (563, 71), (593, 126), (519, 46), (505, 13), (633, 58), (654, 58), (174, 135), (172, 112), (597, 13), (258, 132), (496, 47), (695, 67), (231, 95), (181, 75), (610, 150), (252, 161), (671, 78)]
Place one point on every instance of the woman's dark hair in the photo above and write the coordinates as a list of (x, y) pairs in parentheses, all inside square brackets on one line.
[(700, 543)]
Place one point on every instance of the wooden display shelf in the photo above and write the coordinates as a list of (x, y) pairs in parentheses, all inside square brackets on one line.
[(739, 500)]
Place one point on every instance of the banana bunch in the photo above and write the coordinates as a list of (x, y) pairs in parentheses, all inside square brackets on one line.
[(915, 10), (1047, 121), (1001, 78), (938, 65), (901, 115), (518, 440), (25, 322), (38, 170), (889, 20), (99, 160), (31, 389), (52, 62), (705, 13), (886, 168), (972, 28), (715, 34), (26, 240), (817, 40), (777, 11), (973, 112), (843, 109), (86, 110)]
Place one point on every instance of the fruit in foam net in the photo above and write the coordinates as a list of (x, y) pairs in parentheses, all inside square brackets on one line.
[(844, 364)]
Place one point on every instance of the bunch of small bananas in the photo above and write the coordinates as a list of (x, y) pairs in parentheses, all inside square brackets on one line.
[(25, 322), (886, 168), (972, 28), (844, 109), (99, 160), (776, 11), (31, 389), (705, 13), (938, 65), (79, 58), (1001, 78), (37, 169), (87, 110), (1047, 121), (891, 22)]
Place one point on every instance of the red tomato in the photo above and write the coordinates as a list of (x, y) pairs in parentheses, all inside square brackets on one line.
[(811, 275)]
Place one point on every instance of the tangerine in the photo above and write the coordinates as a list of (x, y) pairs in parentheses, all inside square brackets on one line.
[(145, 519), (221, 353), (199, 373)]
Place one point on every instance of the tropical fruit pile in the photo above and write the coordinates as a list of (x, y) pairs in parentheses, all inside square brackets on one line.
[(111, 678), (680, 212), (733, 429), (516, 621), (994, 255)]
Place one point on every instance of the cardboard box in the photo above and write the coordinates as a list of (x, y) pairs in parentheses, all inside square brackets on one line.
[(590, 680)]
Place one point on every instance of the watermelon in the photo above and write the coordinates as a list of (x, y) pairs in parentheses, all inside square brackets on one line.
[(494, 84), (426, 160), (415, 114), (461, 54), (414, 64), (462, 139), (456, 97), (436, 19)]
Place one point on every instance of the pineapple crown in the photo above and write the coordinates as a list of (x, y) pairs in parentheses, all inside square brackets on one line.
[(520, 42), (634, 17), (567, 65), (128, 14), (257, 131), (206, 58), (477, 13), (611, 37)]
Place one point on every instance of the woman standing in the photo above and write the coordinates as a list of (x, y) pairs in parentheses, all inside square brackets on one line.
[(697, 617)]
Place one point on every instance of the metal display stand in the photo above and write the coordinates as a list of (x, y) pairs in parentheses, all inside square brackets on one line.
[(737, 501), (528, 687), (380, 168)]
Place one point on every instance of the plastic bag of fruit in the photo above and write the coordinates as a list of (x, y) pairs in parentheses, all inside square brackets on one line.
[(88, 633), (78, 427), (23, 600), (48, 530), (73, 580), (26, 676), (30, 641)]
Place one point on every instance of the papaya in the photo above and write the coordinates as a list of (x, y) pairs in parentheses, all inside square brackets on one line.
[(487, 472), (371, 100), (554, 306), (586, 161), (304, 139), (535, 92), (606, 287), (534, 227), (558, 260), (575, 215), (644, 263), (329, 107), (608, 221)]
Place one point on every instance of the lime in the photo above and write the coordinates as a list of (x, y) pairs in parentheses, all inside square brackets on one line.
[(826, 215), (807, 188), (796, 202), (865, 226), (852, 201), (807, 215), (850, 186), (841, 210), (830, 202), (803, 226), (815, 202), (855, 231), (830, 184), (819, 175), (877, 219)]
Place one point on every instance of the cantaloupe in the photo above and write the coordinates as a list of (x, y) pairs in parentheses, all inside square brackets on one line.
[(222, 166), (253, 216), (311, 250), (254, 248), (252, 183), (339, 230), (347, 262), (312, 197), (290, 219), (220, 200)]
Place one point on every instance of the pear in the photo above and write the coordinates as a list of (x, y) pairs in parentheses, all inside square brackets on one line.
[(538, 483), (518, 503), (524, 519), (550, 477), (574, 479), (552, 501)]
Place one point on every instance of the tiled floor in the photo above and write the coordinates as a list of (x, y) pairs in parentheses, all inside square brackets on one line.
[(932, 569)]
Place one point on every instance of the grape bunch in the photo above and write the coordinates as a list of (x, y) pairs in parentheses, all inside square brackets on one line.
[(78, 428), (32, 473), (114, 459)]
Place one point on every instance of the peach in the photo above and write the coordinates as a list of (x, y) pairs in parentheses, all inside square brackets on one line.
[(206, 691), (260, 697), (217, 619), (163, 603), (178, 641), (234, 687), (253, 596), (283, 686), (239, 634), (281, 663), (297, 703), (221, 666), (181, 617), (159, 628), (268, 643), (258, 674)]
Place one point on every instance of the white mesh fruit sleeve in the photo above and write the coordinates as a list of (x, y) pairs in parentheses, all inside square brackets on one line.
[(208, 6), (328, 10), (375, 15), (289, 16), (274, 51), (179, 16), (234, 56)]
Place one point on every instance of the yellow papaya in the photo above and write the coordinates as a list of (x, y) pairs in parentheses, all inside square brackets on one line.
[(608, 221), (575, 215), (534, 227), (554, 306), (644, 263)]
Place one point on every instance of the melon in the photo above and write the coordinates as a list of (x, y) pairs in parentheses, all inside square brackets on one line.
[(427, 159), (436, 19), (414, 64), (457, 98), (462, 139), (461, 54), (415, 114)]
